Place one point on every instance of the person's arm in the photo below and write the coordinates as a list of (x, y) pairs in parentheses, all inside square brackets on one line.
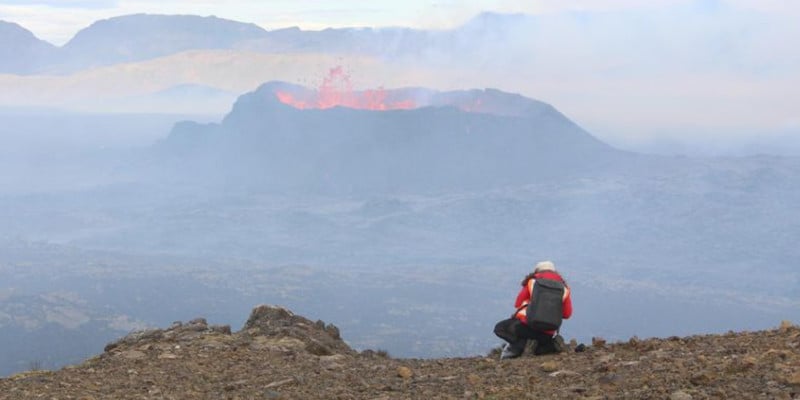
[(522, 297), (567, 305)]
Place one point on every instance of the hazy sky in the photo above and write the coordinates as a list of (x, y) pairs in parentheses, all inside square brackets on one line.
[(630, 68), (58, 20)]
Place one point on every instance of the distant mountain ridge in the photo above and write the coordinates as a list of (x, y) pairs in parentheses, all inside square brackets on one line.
[(140, 37), (21, 51), (144, 36)]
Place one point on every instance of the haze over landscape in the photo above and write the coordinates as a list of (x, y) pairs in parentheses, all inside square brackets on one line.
[(710, 77), (394, 169)]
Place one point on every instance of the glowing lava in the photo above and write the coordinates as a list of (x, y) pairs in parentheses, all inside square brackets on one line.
[(336, 90)]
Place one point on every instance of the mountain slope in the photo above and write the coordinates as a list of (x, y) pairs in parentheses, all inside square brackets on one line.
[(436, 141), (279, 355), (20, 51), (99, 89), (143, 36), (138, 37)]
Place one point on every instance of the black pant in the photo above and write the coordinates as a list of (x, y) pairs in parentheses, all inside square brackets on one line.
[(517, 335)]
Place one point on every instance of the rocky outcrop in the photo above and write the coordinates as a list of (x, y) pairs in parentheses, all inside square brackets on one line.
[(178, 332), (279, 355), (276, 322)]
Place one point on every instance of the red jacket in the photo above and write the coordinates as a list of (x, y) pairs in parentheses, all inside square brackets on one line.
[(524, 297)]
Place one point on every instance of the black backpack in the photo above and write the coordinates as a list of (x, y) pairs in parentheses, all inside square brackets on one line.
[(544, 311)]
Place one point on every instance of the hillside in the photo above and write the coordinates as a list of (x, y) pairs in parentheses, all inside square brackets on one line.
[(335, 139), (20, 51), (143, 36), (228, 70), (279, 355)]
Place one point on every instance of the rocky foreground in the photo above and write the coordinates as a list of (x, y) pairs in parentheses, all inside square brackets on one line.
[(279, 355)]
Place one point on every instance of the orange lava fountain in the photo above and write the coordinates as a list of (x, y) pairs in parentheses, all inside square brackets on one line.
[(336, 90)]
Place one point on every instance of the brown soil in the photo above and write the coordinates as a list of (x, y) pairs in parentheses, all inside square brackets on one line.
[(279, 355)]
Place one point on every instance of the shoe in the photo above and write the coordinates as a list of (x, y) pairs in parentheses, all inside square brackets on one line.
[(558, 343), (545, 347)]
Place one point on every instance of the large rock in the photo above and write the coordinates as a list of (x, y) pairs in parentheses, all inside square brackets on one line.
[(277, 322)]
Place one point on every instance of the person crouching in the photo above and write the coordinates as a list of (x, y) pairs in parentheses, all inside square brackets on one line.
[(543, 301)]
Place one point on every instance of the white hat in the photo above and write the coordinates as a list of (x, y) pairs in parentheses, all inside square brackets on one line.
[(544, 266)]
